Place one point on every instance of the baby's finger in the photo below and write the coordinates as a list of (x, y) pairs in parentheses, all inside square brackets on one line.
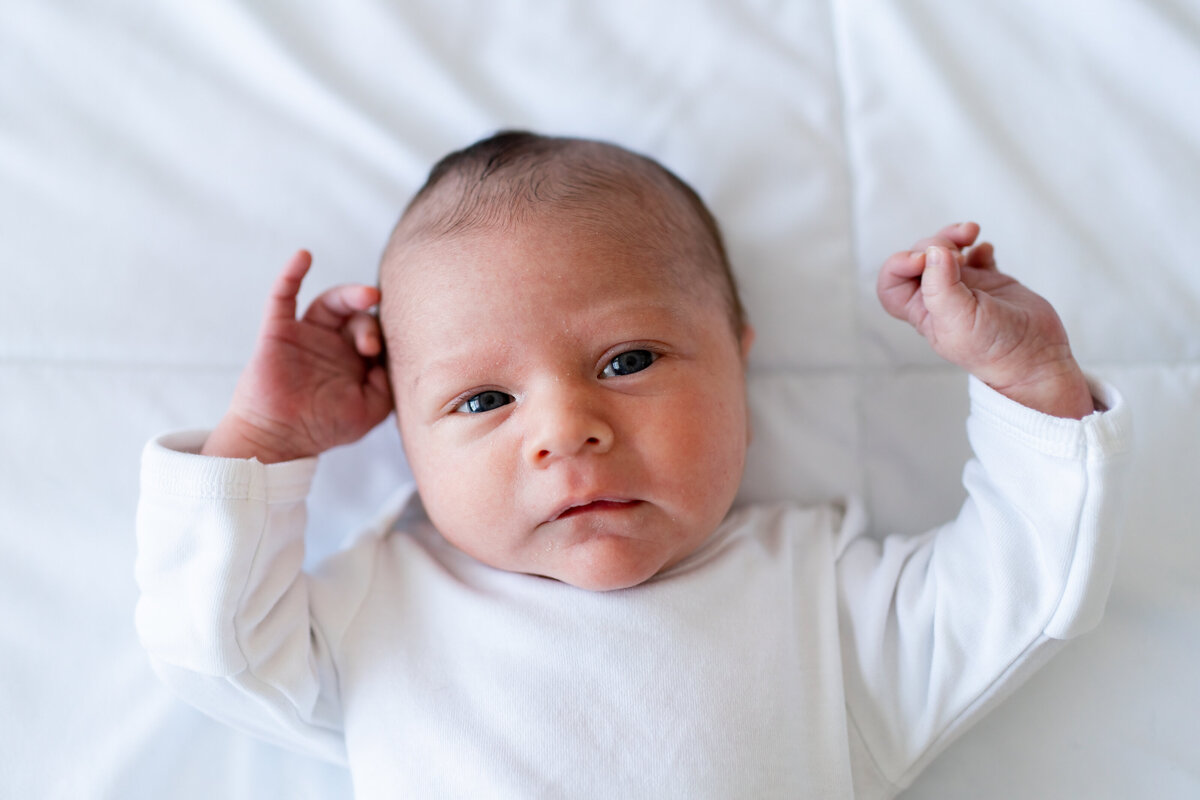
[(362, 329), (334, 306), (961, 233), (902, 266), (281, 300), (951, 237), (942, 289), (899, 281), (981, 256), (380, 391), (921, 246)]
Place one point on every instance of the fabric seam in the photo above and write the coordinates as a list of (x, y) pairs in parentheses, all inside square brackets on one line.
[(836, 28)]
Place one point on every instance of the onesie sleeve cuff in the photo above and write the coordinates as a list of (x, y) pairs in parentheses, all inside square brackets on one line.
[(211, 533), (1105, 432), (172, 465)]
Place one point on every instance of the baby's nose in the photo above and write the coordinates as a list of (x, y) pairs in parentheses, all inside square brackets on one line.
[(567, 423)]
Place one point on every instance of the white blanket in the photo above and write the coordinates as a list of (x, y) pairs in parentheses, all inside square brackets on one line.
[(159, 161)]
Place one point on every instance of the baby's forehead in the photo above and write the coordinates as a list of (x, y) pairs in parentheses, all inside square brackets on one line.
[(627, 210), (622, 200), (515, 259)]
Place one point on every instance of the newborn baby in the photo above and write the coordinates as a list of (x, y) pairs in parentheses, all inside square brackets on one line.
[(567, 606)]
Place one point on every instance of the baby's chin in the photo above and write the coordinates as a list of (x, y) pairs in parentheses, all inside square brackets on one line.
[(607, 565), (590, 555)]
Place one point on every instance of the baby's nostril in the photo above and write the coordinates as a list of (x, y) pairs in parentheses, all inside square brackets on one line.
[(593, 440)]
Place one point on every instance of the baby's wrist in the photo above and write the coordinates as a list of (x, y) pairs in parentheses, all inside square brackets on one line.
[(1058, 390), (235, 437)]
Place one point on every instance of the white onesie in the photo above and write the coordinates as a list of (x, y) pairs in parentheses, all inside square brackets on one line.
[(789, 657)]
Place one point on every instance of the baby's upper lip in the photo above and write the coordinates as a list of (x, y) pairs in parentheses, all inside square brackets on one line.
[(573, 504)]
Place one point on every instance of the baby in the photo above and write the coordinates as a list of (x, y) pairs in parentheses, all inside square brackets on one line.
[(571, 608)]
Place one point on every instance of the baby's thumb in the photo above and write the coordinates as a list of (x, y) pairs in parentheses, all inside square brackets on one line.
[(942, 289)]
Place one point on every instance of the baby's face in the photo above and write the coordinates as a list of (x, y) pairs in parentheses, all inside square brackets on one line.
[(567, 408)]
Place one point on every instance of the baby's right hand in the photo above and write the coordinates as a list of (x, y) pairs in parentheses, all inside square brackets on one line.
[(312, 383)]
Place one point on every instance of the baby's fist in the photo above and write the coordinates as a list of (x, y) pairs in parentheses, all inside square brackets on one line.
[(313, 383), (985, 321)]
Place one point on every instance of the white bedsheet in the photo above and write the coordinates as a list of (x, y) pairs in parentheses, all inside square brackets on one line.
[(159, 161)]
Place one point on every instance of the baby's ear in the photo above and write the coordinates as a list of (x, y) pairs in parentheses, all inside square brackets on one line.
[(746, 340)]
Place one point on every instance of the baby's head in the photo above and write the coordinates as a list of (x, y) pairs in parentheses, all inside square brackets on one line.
[(566, 349)]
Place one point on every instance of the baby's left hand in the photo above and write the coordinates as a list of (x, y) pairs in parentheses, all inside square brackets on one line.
[(984, 321)]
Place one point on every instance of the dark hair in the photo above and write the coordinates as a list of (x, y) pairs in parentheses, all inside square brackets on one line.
[(510, 174)]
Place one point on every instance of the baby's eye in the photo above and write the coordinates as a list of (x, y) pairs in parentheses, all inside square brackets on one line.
[(484, 401), (629, 362)]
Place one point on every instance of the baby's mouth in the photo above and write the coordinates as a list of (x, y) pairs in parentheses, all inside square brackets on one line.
[(604, 504)]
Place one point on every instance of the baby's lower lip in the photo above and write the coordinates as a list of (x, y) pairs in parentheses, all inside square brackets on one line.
[(599, 505)]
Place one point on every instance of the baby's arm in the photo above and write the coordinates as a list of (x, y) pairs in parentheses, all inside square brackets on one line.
[(984, 321), (226, 614), (312, 383), (938, 628)]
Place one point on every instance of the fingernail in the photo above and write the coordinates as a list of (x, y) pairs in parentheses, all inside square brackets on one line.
[(934, 255)]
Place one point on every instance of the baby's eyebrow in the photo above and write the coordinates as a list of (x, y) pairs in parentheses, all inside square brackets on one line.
[(418, 376), (475, 362), (455, 367)]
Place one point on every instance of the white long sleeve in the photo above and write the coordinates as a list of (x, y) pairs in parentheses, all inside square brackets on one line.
[(224, 609), (791, 656), (938, 628)]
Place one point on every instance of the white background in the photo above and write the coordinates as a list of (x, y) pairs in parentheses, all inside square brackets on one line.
[(159, 161)]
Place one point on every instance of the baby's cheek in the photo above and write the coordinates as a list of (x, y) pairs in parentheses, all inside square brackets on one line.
[(471, 498), (430, 468), (706, 449)]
